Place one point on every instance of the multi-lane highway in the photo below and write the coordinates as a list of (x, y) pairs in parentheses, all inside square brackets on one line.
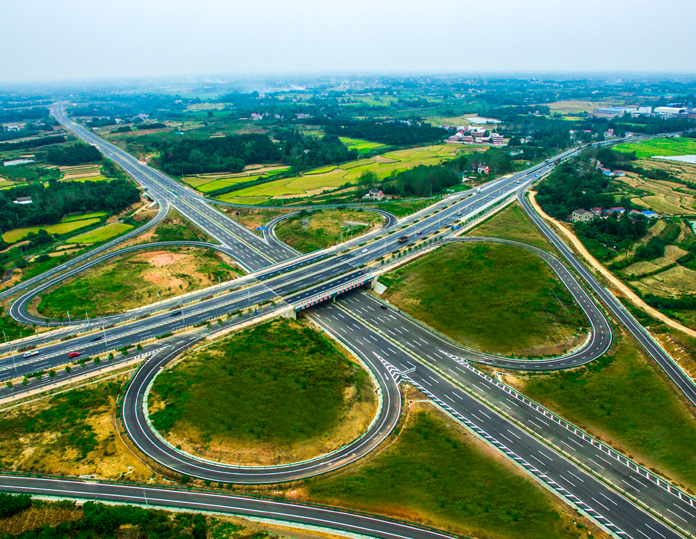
[(523, 430), (292, 282)]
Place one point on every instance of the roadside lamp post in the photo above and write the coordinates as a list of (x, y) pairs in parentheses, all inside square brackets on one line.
[(5, 335), (87, 315), (68, 317)]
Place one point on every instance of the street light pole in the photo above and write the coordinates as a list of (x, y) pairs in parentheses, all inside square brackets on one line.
[(87, 315), (68, 316)]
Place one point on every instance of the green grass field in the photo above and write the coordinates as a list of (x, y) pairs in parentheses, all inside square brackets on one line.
[(662, 146), (438, 474), (64, 227), (313, 182), (279, 383), (625, 397), (102, 234), (130, 281), (512, 223), (496, 298), (322, 229)]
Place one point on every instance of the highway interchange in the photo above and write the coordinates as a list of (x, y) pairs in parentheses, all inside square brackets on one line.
[(600, 482)]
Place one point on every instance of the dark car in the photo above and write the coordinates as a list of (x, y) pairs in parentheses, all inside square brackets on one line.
[(176, 313), (97, 338), (384, 307)]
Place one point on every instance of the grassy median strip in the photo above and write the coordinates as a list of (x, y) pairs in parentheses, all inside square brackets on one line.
[(624, 399), (438, 473), (496, 298), (264, 391)]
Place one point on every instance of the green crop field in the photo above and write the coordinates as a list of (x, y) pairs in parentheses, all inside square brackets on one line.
[(279, 383), (86, 179), (102, 234), (496, 298), (71, 218), (624, 397), (322, 229), (363, 146), (64, 227), (436, 473), (332, 177), (662, 146), (513, 224)]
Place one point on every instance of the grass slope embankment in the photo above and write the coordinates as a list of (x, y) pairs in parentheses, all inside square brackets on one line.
[(496, 298), (512, 224), (135, 279), (624, 399), (308, 232), (282, 392), (439, 474)]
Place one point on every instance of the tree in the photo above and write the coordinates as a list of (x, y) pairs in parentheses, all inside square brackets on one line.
[(68, 370), (111, 356), (25, 382), (139, 347), (52, 374), (97, 361), (8, 384)]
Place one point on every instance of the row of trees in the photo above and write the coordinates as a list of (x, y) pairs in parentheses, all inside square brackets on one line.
[(233, 152), (225, 154)]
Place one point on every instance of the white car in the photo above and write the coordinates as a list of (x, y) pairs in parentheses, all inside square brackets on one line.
[(364, 251)]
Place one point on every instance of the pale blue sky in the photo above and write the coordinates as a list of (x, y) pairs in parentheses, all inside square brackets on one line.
[(74, 39)]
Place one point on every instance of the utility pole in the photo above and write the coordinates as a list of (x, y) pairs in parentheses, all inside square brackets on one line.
[(87, 315), (68, 316)]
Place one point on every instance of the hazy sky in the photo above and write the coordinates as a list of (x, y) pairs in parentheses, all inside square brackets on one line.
[(74, 39)]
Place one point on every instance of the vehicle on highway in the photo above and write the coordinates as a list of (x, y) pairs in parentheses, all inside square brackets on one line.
[(478, 190), (176, 313), (73, 354), (32, 353), (403, 239), (459, 213), (384, 307), (97, 338), (364, 251)]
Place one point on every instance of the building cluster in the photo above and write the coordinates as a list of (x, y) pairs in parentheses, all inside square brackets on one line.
[(583, 216), (664, 112), (469, 134)]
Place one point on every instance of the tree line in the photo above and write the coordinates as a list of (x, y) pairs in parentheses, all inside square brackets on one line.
[(390, 132)]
